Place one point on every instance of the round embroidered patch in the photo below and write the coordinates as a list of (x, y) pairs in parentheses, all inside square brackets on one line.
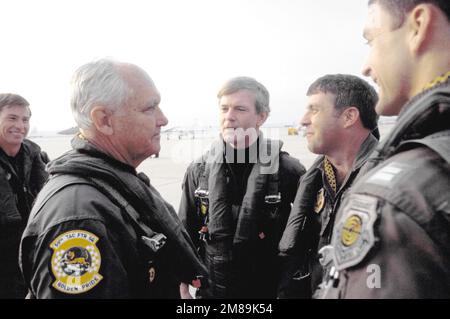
[(353, 234), (351, 230), (75, 262)]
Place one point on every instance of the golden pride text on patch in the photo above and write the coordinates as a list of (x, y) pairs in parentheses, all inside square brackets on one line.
[(75, 262)]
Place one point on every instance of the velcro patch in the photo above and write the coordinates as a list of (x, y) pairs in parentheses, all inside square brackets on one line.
[(386, 175), (75, 262), (354, 235)]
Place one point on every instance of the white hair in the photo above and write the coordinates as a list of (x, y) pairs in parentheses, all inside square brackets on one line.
[(99, 82)]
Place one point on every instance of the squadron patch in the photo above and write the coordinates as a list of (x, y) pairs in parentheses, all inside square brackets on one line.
[(320, 201), (75, 262), (354, 236)]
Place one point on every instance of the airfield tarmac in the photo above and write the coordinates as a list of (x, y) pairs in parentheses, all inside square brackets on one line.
[(167, 171)]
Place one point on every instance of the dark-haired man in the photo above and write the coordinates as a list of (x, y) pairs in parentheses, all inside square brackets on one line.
[(392, 235), (22, 175), (338, 123)]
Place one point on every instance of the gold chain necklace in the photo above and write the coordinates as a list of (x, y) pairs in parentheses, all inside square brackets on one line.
[(438, 80), (329, 174)]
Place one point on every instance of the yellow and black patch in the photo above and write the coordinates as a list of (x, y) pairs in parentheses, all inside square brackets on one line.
[(351, 230), (353, 235), (320, 201), (75, 262)]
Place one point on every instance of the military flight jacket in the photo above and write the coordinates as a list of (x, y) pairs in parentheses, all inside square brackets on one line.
[(309, 230), (71, 215), (290, 171), (34, 178), (256, 225), (392, 235), (12, 221)]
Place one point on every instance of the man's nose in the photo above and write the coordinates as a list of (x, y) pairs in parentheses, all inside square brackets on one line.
[(305, 120), (162, 119), (229, 114), (366, 68), (21, 125)]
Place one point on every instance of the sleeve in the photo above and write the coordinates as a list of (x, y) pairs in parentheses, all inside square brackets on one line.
[(288, 244), (188, 210), (38, 174), (293, 170), (290, 260), (290, 173), (291, 257), (293, 225), (80, 257), (405, 263)]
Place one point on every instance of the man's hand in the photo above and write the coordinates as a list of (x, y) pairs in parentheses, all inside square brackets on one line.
[(184, 291)]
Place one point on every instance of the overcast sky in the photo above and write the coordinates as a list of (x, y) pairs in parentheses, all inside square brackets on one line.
[(188, 47)]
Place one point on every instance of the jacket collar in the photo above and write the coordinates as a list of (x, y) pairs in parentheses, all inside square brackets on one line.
[(425, 114), (363, 154), (83, 146), (365, 150), (23, 153)]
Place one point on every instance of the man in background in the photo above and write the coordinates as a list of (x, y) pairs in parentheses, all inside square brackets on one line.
[(22, 175), (236, 199)]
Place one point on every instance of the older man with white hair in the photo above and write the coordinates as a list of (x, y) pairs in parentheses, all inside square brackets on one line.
[(99, 229)]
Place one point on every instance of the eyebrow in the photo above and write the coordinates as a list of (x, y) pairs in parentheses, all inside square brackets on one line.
[(234, 106), (154, 102)]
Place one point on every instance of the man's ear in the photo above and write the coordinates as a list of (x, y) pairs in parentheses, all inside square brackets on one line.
[(350, 116), (420, 21), (101, 119), (262, 117)]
